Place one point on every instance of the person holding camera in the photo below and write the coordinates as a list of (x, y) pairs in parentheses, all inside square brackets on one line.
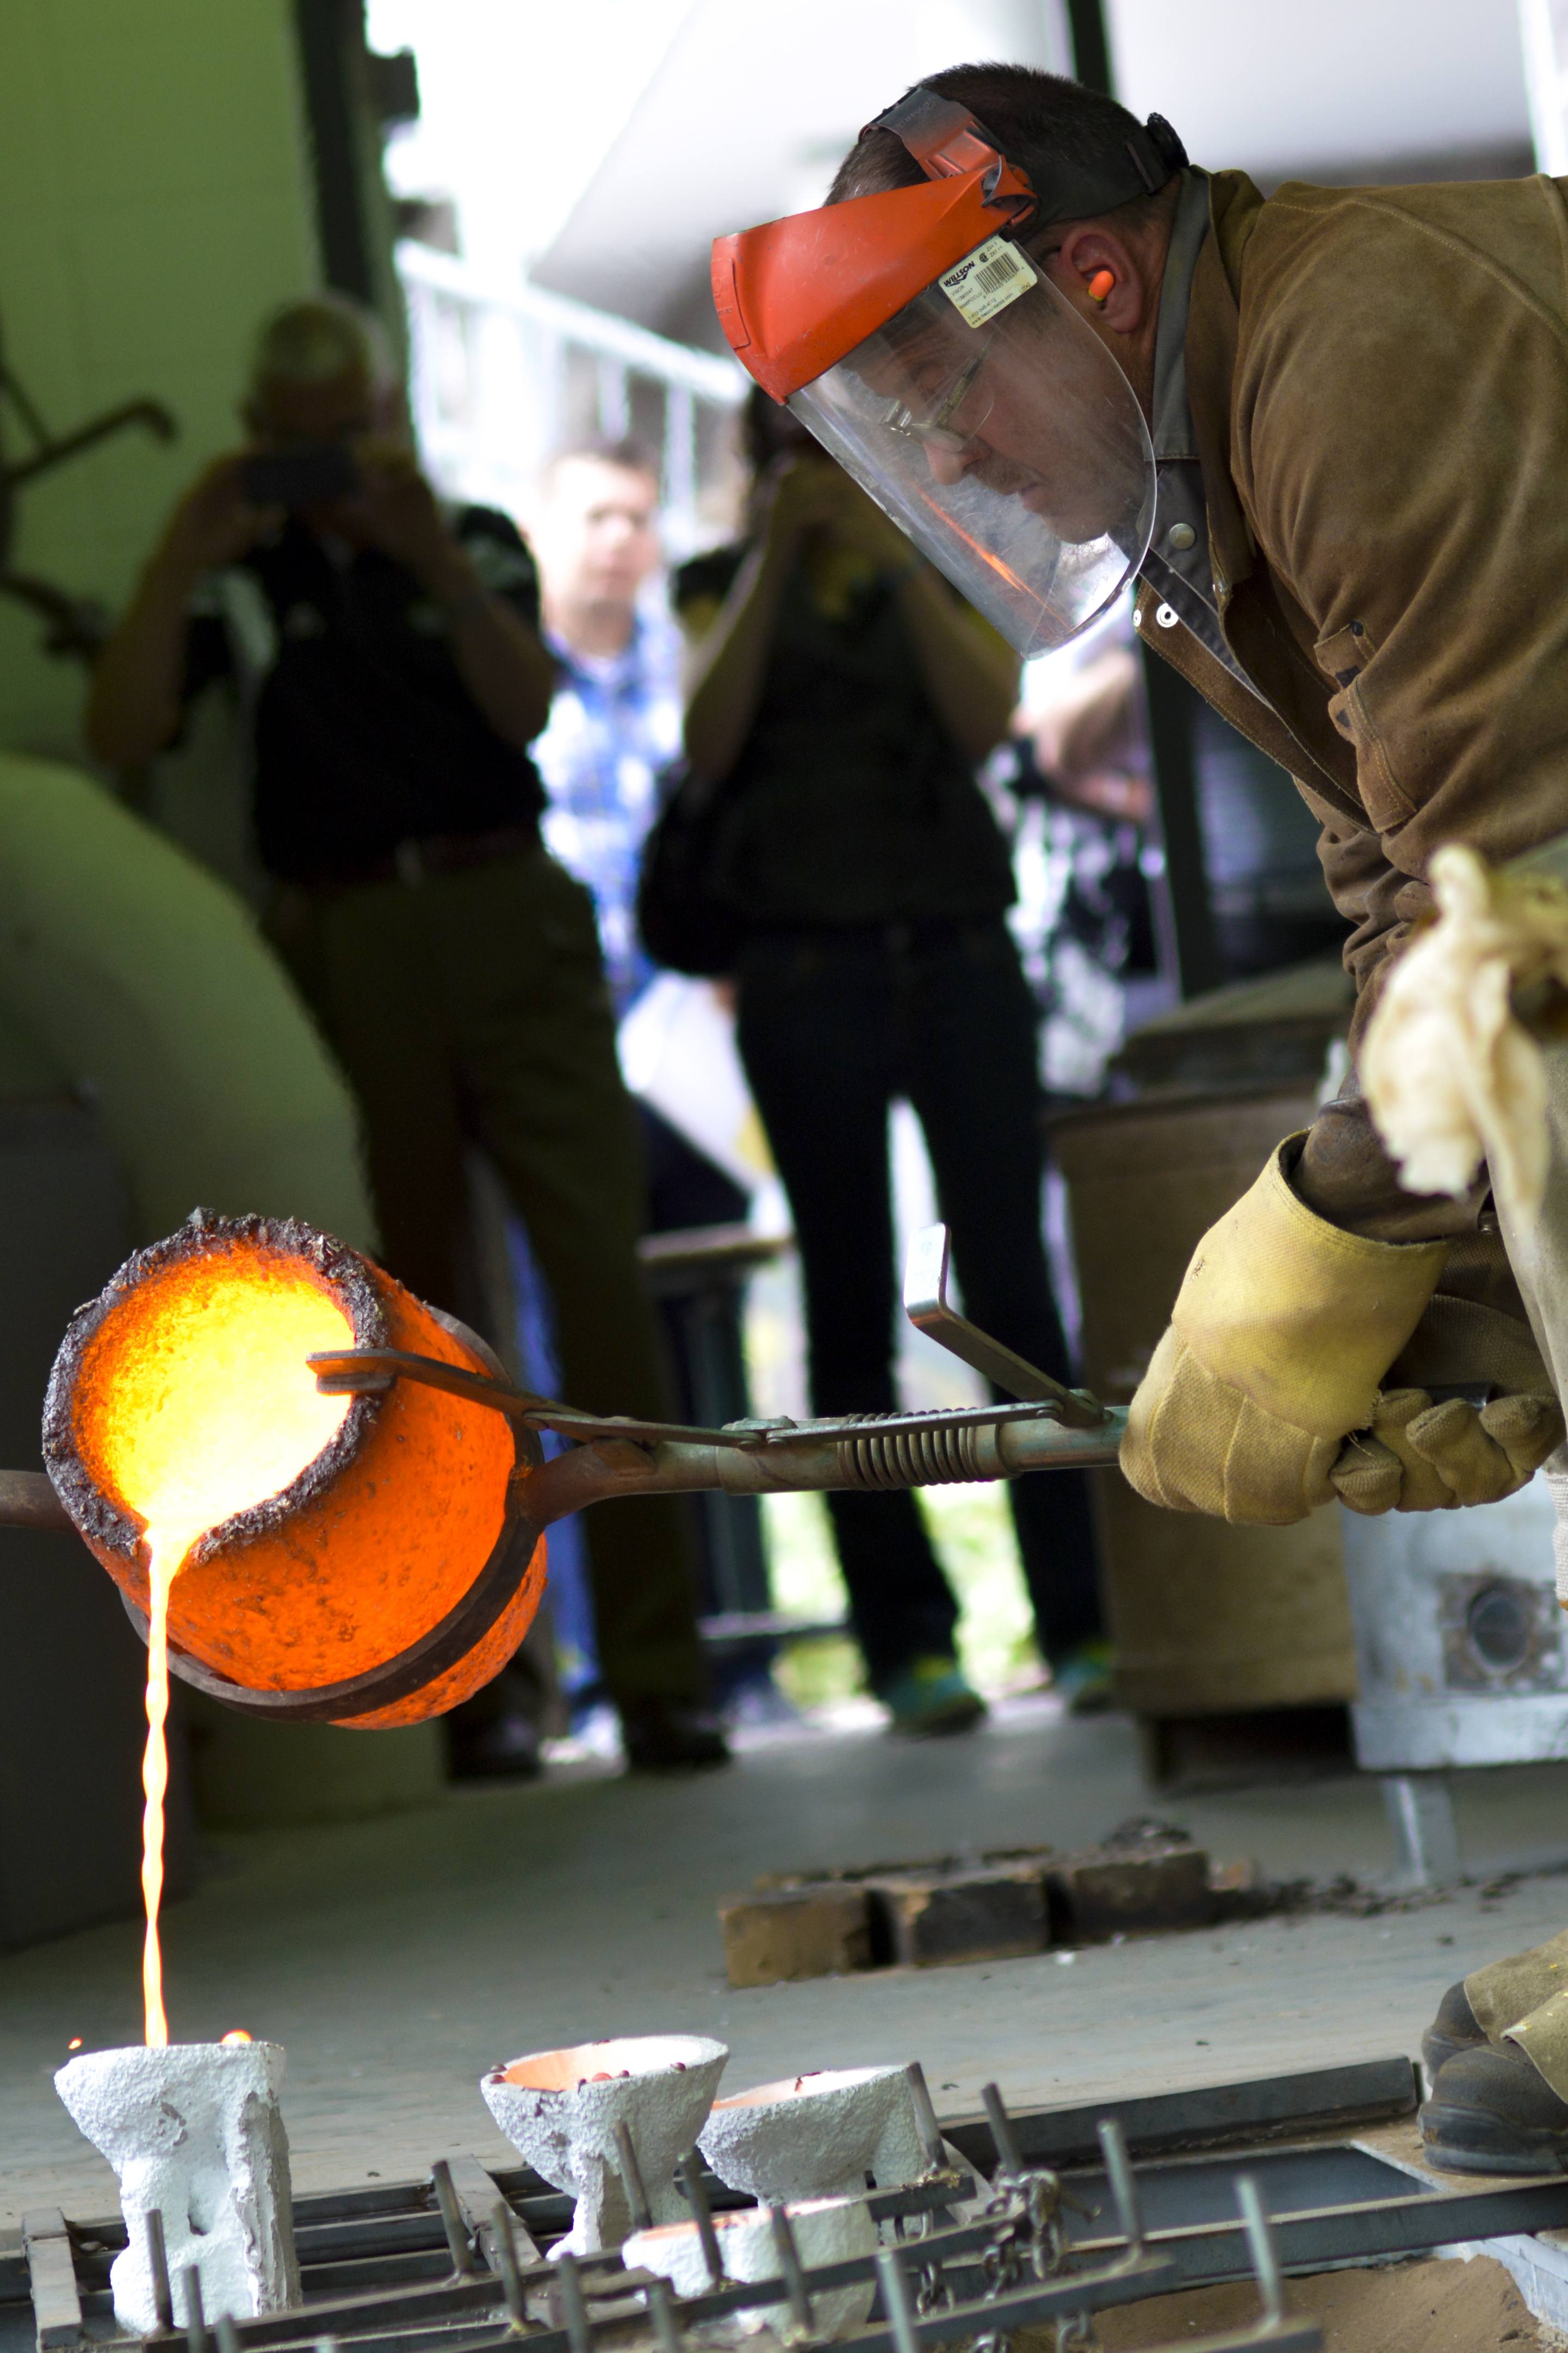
[(386, 657)]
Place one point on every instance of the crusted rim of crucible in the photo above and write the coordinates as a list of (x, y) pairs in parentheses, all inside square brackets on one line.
[(703, 2049), (811, 2084), (348, 1278)]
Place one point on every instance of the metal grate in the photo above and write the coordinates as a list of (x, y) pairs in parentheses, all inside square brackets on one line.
[(456, 2263)]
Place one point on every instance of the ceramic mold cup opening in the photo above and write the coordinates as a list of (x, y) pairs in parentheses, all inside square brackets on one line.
[(817, 2135), (559, 2110), (827, 2231), (194, 2133)]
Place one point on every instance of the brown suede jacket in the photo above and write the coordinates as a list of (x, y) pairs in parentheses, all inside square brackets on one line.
[(1379, 387)]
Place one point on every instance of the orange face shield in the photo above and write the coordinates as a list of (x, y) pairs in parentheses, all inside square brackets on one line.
[(918, 341)]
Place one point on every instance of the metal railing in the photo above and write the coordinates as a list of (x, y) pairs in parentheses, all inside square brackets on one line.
[(500, 377)]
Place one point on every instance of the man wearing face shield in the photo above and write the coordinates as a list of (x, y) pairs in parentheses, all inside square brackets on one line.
[(1328, 435)]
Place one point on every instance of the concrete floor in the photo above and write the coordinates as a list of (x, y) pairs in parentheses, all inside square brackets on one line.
[(398, 1958)]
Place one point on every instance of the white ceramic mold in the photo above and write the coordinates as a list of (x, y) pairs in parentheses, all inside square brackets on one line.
[(827, 2231), (816, 2136), (194, 2133), (560, 2109)]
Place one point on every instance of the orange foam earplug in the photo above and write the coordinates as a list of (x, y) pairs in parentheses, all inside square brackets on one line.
[(1100, 285)]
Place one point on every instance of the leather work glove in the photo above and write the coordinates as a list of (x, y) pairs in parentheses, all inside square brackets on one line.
[(1284, 1328), (1418, 1456), (1281, 1332)]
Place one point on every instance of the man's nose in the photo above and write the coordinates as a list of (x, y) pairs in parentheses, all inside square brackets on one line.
[(948, 465)]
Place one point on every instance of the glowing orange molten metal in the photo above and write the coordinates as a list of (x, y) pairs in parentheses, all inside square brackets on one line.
[(216, 1409), (349, 1560)]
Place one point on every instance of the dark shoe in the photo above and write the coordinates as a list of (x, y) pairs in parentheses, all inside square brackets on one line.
[(929, 1698), (663, 1737), (1452, 2031), (506, 1749), (1492, 2112)]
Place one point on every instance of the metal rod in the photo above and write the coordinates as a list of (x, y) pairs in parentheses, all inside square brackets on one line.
[(631, 2179), (150, 413), (690, 2171), (926, 2124), (1261, 2245), (897, 2301), (370, 1372), (158, 2263), (195, 2317), (1002, 2133), (791, 2269), (463, 2260), (573, 2306), (27, 1500), (226, 2334), (662, 2313), (503, 2232), (1124, 2185), (930, 1311), (1005, 1442)]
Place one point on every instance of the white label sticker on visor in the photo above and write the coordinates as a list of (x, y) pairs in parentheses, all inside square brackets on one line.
[(987, 279)]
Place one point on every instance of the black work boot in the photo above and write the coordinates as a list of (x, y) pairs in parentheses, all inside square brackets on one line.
[(1491, 2111), (1455, 2029)]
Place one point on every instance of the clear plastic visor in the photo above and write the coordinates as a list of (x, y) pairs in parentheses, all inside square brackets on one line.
[(1013, 454)]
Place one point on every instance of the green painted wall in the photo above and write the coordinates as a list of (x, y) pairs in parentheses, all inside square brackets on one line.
[(154, 200)]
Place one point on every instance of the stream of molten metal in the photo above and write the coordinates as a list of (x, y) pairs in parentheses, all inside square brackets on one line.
[(216, 1410), (164, 1559)]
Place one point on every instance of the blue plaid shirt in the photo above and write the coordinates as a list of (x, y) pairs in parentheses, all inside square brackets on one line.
[(615, 722)]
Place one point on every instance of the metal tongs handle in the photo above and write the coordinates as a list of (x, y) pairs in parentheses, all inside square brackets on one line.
[(927, 1306)]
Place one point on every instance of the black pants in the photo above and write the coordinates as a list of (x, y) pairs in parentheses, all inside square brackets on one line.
[(833, 1026)]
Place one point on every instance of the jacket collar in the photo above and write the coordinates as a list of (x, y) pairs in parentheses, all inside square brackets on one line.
[(1213, 321), (1172, 433)]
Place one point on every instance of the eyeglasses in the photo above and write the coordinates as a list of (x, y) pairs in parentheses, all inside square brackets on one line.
[(931, 420)]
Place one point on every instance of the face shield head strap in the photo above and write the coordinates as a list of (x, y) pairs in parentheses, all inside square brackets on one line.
[(944, 139)]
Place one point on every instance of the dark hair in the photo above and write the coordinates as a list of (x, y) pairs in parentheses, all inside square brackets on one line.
[(628, 454), (1038, 119), (767, 427)]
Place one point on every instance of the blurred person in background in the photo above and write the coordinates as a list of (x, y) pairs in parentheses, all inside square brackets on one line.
[(615, 728), (845, 696), (388, 657), (615, 720)]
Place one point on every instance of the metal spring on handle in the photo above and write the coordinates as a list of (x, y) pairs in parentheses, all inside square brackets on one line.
[(923, 1458)]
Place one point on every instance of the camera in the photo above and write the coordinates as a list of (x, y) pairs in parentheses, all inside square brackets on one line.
[(306, 476)]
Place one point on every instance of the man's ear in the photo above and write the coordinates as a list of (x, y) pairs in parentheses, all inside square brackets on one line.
[(1102, 276)]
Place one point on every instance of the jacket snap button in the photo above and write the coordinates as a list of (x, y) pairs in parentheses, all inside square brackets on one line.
[(1182, 535)]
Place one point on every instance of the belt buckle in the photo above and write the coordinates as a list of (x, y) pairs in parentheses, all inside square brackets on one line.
[(408, 864)]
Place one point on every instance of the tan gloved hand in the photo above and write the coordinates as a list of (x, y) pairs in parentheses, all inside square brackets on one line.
[(1421, 1457), (1281, 1334)]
